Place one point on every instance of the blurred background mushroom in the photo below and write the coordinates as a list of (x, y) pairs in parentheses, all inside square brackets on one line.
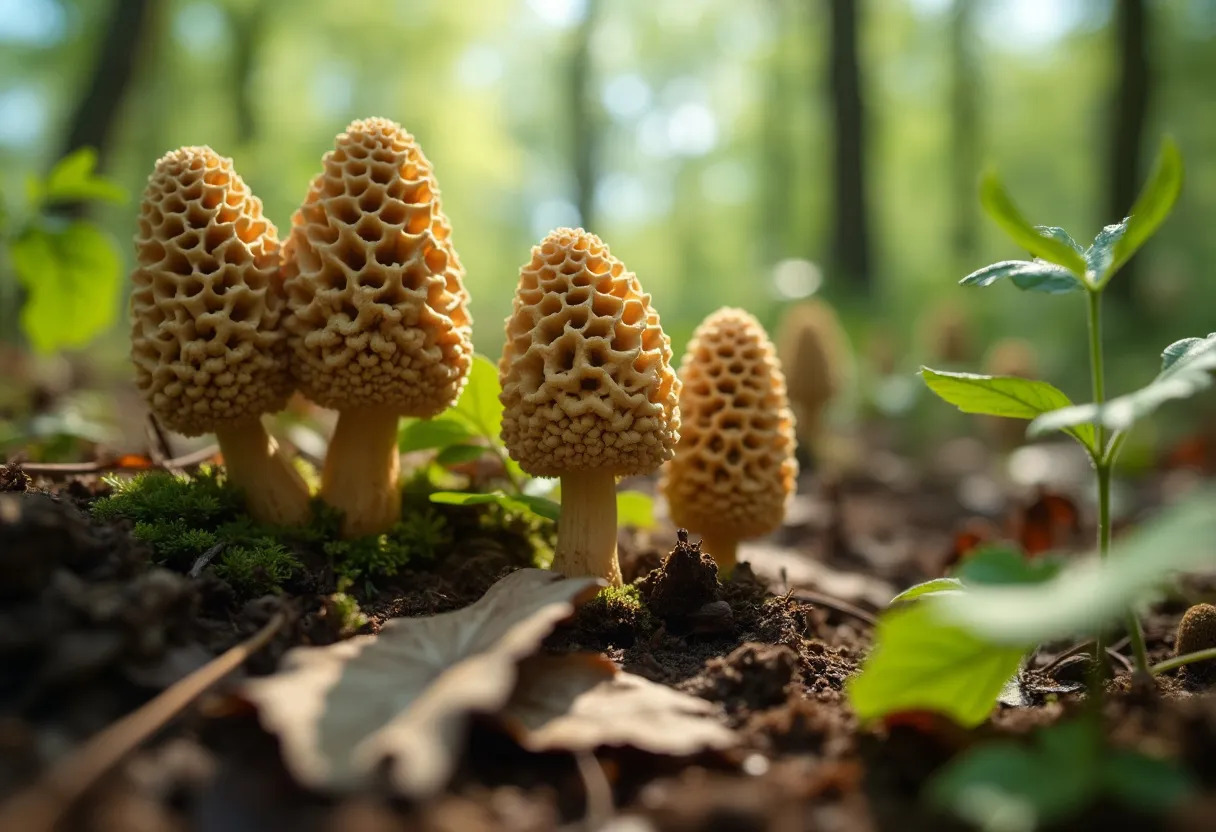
[(209, 353), (588, 390)]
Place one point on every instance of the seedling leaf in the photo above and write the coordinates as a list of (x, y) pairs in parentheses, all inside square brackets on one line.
[(633, 508), (1008, 396), (933, 587), (457, 454), (1152, 206), (1027, 275), (1048, 246), (1003, 565), (1186, 368), (73, 179), (539, 506), (71, 276), (440, 432), (478, 405), (396, 705), (921, 663)]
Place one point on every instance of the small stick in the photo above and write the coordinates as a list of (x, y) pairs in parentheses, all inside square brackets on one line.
[(844, 607), (160, 450), (1112, 651), (67, 469), (40, 807), (1184, 659), (600, 805)]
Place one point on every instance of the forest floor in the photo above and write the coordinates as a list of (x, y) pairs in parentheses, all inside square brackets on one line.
[(88, 633)]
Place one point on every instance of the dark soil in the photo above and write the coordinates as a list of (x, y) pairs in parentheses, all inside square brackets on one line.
[(88, 631)]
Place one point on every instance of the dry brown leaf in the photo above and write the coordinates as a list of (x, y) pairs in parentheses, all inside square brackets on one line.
[(396, 705), (582, 702)]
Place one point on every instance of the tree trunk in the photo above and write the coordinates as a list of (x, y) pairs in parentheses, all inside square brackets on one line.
[(776, 147), (964, 132), (248, 28), (850, 248), (584, 123), (1129, 112)]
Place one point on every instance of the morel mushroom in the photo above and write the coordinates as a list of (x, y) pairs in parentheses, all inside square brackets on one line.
[(816, 357), (208, 351), (588, 391), (1197, 631), (378, 323), (734, 468)]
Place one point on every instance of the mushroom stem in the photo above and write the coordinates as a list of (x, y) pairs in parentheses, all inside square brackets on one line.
[(361, 470), (586, 530), (723, 548), (274, 491)]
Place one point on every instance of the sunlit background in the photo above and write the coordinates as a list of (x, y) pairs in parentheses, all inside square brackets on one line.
[(706, 141)]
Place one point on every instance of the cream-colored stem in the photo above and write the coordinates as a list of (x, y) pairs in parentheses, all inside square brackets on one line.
[(361, 470), (723, 548), (586, 531), (274, 491)]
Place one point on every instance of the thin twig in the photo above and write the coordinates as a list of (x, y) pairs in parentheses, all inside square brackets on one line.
[(1076, 649), (40, 807), (844, 607), (67, 469), (1184, 659), (600, 805)]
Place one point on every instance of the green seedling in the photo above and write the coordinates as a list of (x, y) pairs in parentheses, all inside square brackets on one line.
[(69, 271)]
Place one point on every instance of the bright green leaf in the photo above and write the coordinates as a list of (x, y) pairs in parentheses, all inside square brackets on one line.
[(1091, 593), (478, 405), (1101, 255), (633, 508), (72, 279), (1004, 565), (1008, 396), (1027, 275), (458, 454), (1060, 234), (467, 498), (1154, 204), (423, 434), (516, 502), (73, 179), (1047, 246), (1186, 369), (933, 587), (920, 663), (540, 506)]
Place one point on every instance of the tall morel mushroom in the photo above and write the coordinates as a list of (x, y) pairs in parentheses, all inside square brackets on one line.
[(588, 390), (379, 326), (206, 341), (734, 468), (817, 359)]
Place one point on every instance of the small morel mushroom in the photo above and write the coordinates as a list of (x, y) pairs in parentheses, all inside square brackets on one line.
[(206, 341), (588, 390), (378, 323), (944, 333), (817, 359), (1197, 631), (734, 467)]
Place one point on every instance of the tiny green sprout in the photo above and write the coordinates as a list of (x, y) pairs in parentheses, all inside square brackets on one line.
[(155, 496), (418, 538), (257, 569), (349, 618), (175, 542)]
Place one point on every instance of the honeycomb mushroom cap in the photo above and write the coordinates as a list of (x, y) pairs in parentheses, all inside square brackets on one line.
[(1197, 631), (205, 310), (378, 309), (587, 381), (734, 468), (814, 352)]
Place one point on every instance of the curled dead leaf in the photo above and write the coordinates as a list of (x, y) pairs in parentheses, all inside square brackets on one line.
[(396, 705), (582, 702)]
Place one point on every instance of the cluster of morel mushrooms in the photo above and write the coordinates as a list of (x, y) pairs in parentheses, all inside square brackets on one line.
[(363, 310)]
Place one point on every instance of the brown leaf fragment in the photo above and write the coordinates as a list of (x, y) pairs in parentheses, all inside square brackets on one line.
[(396, 705), (582, 702)]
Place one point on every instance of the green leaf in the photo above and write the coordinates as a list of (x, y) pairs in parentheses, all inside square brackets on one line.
[(1008, 396), (458, 454), (1047, 246), (1100, 255), (1154, 204), (920, 663), (478, 405), (1060, 234), (1091, 593), (1005, 565), (633, 508), (1027, 275), (72, 180), (72, 281), (1146, 783), (933, 587), (1186, 368), (515, 502), (423, 434)]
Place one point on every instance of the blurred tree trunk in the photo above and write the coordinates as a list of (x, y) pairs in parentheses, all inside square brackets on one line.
[(123, 35), (777, 148), (964, 131), (584, 121), (850, 247), (248, 29), (1129, 113)]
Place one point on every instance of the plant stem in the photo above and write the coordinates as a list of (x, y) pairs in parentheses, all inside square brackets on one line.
[(1184, 659)]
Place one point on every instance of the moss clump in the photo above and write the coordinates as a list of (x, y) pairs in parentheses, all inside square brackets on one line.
[(416, 539), (616, 617), (201, 501), (257, 569), (1197, 631), (175, 543), (348, 617)]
